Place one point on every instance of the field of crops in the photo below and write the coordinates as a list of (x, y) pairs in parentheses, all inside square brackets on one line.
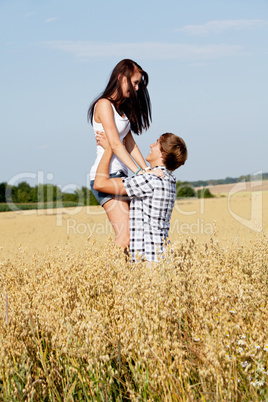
[(79, 322)]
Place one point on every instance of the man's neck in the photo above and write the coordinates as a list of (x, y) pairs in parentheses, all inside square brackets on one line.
[(157, 163)]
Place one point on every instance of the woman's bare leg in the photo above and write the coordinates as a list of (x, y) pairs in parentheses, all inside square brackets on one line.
[(118, 214)]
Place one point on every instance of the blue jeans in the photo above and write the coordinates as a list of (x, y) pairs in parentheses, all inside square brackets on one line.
[(102, 198)]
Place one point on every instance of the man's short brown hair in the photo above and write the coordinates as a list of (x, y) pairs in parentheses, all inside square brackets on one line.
[(174, 151)]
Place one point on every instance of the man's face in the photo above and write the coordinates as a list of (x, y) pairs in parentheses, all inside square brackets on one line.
[(155, 152)]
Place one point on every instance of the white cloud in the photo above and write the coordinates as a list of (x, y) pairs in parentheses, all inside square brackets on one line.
[(147, 50), (48, 20), (221, 26), (27, 15)]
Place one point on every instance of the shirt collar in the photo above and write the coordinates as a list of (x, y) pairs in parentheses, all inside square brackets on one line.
[(162, 167), (168, 172)]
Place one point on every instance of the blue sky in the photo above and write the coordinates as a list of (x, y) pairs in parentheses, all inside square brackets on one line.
[(207, 64)]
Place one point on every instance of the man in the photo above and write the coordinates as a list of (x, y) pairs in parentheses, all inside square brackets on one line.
[(152, 197)]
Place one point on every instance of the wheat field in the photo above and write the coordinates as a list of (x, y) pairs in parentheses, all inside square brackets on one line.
[(80, 322)]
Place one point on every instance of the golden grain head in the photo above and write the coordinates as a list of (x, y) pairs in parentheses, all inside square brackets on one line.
[(79, 321), (200, 315)]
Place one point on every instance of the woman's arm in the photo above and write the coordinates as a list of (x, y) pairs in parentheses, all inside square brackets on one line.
[(134, 151), (104, 114), (102, 181)]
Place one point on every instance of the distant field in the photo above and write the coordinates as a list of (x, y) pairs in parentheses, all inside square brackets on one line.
[(248, 186), (228, 217)]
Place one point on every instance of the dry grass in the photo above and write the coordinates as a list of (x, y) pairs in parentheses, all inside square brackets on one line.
[(78, 322)]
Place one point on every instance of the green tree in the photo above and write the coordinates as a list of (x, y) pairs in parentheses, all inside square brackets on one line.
[(70, 197), (80, 196), (10, 193), (48, 193), (92, 199), (34, 194), (184, 190), (178, 184), (204, 193), (89, 198), (23, 192)]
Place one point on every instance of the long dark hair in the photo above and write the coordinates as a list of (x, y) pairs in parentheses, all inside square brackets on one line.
[(137, 107)]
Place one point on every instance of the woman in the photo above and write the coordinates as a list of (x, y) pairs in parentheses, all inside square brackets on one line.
[(124, 106)]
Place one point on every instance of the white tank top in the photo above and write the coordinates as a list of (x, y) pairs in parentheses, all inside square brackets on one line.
[(123, 127)]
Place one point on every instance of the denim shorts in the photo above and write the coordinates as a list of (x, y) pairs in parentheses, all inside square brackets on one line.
[(102, 198)]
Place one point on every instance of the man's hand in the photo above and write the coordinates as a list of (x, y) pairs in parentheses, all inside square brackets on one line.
[(102, 140)]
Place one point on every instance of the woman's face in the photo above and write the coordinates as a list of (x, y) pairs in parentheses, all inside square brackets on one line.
[(135, 80)]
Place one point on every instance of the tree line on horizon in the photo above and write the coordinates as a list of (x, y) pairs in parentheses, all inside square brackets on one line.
[(229, 180), (23, 193), (49, 195)]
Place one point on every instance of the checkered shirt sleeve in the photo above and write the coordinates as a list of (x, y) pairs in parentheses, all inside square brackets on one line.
[(139, 186)]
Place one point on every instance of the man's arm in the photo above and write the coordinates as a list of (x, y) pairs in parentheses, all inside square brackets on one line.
[(102, 181)]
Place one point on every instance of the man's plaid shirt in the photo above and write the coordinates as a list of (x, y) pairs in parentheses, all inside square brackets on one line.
[(152, 202)]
